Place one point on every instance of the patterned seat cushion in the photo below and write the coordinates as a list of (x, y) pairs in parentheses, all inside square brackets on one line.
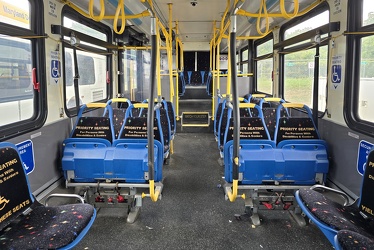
[(336, 215), (351, 240), (47, 227)]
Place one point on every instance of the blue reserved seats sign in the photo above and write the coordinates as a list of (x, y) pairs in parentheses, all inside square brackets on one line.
[(26, 151), (363, 151)]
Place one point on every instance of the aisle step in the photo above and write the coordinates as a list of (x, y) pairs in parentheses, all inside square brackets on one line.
[(195, 119)]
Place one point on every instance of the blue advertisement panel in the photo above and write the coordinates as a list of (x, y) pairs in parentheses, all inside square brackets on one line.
[(363, 151), (26, 151)]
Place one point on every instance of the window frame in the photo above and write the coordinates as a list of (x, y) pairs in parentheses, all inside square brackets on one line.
[(352, 75), (74, 15), (38, 61)]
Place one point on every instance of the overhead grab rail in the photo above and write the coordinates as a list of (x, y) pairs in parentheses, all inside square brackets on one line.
[(242, 12), (120, 13)]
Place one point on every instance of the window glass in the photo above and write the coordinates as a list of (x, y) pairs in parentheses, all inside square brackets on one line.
[(299, 77), (264, 66), (368, 12), (264, 75), (16, 89), (264, 48), (312, 23), (71, 24), (245, 55)]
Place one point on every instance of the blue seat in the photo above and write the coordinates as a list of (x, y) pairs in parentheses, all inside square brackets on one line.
[(331, 216), (258, 158), (85, 151), (304, 152), (43, 227), (125, 159)]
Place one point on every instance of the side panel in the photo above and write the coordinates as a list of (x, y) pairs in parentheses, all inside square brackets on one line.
[(47, 145), (343, 146)]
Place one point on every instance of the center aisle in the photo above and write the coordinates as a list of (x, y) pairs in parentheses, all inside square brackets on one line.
[(193, 213)]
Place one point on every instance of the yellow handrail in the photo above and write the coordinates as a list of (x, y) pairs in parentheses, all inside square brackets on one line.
[(96, 105), (119, 100), (293, 105), (246, 105), (154, 195), (120, 8), (91, 10), (272, 99), (140, 105), (295, 10), (234, 193)]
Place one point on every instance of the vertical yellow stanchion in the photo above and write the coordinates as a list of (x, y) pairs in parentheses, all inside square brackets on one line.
[(170, 63), (228, 84), (218, 66), (212, 67), (177, 70)]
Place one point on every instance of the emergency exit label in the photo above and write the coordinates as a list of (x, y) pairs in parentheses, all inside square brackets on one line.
[(26, 151), (363, 151)]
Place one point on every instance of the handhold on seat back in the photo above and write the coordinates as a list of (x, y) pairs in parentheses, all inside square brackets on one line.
[(15, 195), (366, 205)]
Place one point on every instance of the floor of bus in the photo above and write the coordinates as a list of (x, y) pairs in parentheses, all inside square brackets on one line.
[(193, 213)]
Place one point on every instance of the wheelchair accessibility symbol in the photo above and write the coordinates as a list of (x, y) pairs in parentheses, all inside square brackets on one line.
[(55, 68), (336, 75)]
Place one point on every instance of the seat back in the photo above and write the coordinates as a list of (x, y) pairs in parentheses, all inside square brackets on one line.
[(136, 128), (366, 204), (97, 127), (295, 128), (15, 195)]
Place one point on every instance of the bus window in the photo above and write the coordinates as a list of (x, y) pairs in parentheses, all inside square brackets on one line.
[(366, 84), (298, 67), (20, 106), (264, 66), (92, 66)]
